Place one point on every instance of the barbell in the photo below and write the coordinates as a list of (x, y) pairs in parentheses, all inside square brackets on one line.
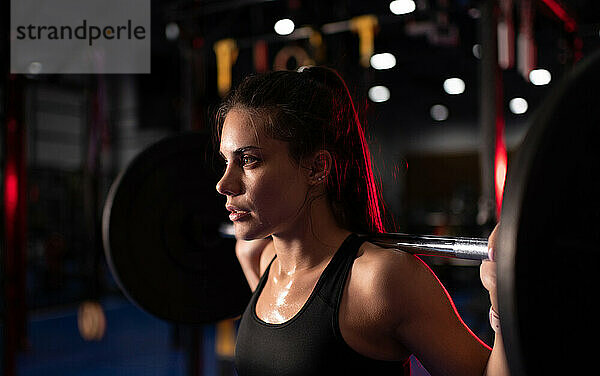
[(169, 252)]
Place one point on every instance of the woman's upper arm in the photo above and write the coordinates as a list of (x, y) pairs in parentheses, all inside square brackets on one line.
[(429, 326)]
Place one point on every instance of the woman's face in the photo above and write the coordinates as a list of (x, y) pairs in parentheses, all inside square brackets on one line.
[(265, 190)]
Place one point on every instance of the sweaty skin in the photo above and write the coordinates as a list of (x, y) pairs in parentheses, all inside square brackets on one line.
[(279, 307)]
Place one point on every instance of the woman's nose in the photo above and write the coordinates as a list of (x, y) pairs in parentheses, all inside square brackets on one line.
[(228, 185)]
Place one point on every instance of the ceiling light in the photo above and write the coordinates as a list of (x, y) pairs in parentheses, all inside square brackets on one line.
[(474, 13), (454, 86), (172, 31), (402, 6), (439, 112), (383, 61), (35, 67), (284, 27), (379, 94), (540, 77), (518, 106), (477, 50)]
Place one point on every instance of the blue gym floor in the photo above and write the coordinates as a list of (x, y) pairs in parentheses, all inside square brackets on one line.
[(135, 344), (138, 344)]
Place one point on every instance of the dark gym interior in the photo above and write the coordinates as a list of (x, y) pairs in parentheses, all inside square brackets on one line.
[(447, 91)]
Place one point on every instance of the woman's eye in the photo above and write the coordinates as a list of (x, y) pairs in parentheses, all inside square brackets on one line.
[(248, 159)]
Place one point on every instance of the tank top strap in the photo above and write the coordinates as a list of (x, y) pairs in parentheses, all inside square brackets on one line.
[(334, 277), (263, 279), (331, 282)]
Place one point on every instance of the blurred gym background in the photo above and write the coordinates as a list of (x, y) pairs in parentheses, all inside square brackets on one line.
[(446, 89)]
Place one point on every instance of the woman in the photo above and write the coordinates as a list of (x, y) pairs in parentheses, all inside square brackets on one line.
[(299, 186)]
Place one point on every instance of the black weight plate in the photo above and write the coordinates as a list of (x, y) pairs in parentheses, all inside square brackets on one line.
[(549, 236), (161, 234)]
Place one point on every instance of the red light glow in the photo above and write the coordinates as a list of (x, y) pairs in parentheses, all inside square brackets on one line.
[(373, 200), (500, 166), (11, 192), (561, 13), (453, 305)]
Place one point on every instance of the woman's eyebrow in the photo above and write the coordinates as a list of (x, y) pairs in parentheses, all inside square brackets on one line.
[(241, 150)]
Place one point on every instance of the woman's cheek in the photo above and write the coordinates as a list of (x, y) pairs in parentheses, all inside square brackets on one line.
[(277, 198)]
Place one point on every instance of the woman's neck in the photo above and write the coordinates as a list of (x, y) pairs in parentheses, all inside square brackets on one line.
[(310, 243)]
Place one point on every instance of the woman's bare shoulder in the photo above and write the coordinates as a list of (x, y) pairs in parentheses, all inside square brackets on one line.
[(385, 264), (388, 278), (398, 295)]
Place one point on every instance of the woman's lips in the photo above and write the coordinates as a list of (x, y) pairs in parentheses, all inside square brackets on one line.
[(238, 215)]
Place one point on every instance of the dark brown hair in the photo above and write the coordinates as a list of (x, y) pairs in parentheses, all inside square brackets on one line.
[(312, 110)]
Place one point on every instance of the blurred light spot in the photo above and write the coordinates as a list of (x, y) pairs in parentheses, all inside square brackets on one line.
[(540, 77), (284, 27), (35, 67), (91, 321), (383, 61), (172, 31), (518, 106), (436, 219), (454, 86), (474, 13), (226, 230), (379, 94), (402, 6), (477, 51), (439, 112)]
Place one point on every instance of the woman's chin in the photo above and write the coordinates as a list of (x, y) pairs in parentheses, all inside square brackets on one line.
[(242, 231)]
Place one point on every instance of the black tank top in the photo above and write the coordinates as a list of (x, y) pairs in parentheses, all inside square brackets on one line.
[(310, 343)]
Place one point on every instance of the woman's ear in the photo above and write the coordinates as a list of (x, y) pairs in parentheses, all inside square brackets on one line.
[(320, 167)]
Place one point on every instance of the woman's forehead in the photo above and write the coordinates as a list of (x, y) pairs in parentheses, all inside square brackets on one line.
[(239, 128), (242, 130)]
